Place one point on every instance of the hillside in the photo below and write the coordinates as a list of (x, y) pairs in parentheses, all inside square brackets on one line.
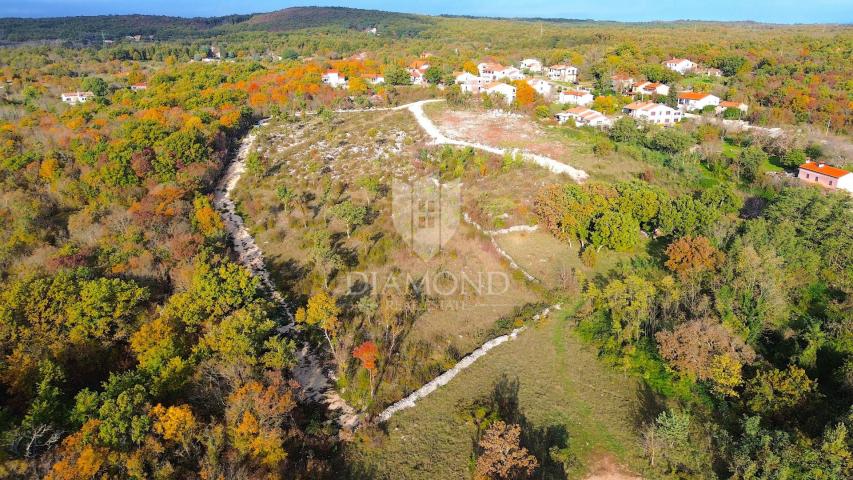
[(94, 29)]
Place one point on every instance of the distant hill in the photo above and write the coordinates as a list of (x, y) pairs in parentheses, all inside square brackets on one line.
[(112, 27), (94, 29)]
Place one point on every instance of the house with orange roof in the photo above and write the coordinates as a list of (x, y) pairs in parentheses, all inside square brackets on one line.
[(417, 77), (563, 73), (650, 88), (690, 101), (421, 65), (374, 78), (584, 117), (680, 65), (725, 105), (827, 176), (655, 113), (489, 70), (575, 97)]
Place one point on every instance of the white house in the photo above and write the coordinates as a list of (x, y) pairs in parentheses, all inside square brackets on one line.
[(563, 73), (472, 86), (74, 98), (511, 73), (584, 117), (656, 113), (465, 77), (488, 71), (421, 65), (508, 91), (680, 65), (651, 88), (374, 78), (334, 79), (826, 176), (542, 87), (725, 105), (689, 101), (532, 65), (137, 87), (575, 97)]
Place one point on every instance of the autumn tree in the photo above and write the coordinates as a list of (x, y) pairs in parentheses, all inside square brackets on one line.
[(502, 455), (525, 95), (689, 256), (323, 312)]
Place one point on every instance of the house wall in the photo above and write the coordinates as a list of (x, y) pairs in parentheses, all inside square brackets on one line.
[(832, 183)]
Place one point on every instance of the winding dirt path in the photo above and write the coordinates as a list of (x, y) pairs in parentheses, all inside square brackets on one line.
[(309, 371)]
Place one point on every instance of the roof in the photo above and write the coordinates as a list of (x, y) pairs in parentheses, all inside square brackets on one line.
[(419, 64), (329, 72), (492, 85), (728, 104), (693, 95), (677, 60), (560, 66), (637, 105), (574, 93), (824, 169), (371, 75), (78, 94), (492, 66)]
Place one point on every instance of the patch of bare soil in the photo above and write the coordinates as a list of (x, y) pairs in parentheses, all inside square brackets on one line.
[(501, 129), (608, 468)]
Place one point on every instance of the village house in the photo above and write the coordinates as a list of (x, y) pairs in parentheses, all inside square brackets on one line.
[(532, 65), (563, 73), (473, 86), (74, 98), (334, 79), (708, 71), (374, 78), (417, 77), (488, 70), (621, 82), (725, 105), (421, 65), (584, 117), (651, 88), (541, 87), (650, 112), (465, 77), (508, 91), (510, 73), (491, 72), (826, 176), (690, 101), (136, 87), (575, 97), (680, 65)]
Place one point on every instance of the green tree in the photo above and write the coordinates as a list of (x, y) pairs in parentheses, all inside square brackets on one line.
[(96, 85), (351, 214), (615, 230)]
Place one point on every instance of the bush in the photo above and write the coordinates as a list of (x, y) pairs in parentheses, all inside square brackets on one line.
[(603, 147)]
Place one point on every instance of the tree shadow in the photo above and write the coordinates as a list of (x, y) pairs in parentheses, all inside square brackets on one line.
[(288, 274), (539, 440), (650, 404)]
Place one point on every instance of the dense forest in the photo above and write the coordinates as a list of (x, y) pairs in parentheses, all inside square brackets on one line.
[(133, 345)]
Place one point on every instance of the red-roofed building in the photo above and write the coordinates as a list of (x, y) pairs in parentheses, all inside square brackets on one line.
[(688, 101), (826, 176)]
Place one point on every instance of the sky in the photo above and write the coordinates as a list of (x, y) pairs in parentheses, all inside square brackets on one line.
[(773, 11)]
